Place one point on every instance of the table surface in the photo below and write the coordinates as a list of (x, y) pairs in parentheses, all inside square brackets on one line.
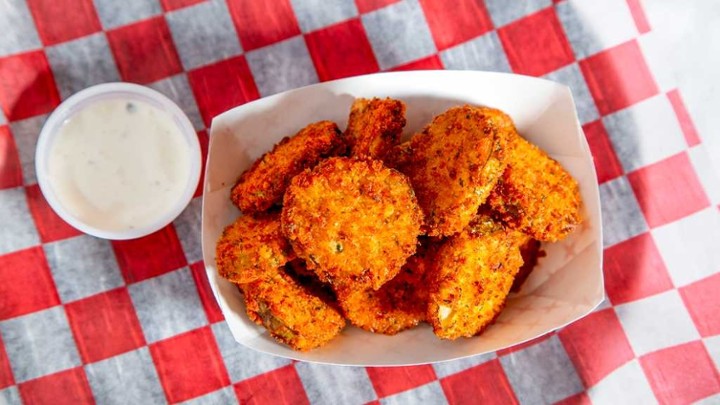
[(85, 319)]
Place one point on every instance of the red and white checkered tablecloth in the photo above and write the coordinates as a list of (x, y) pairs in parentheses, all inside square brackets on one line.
[(84, 319)]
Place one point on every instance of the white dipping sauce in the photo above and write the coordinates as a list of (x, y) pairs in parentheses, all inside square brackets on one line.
[(119, 164)]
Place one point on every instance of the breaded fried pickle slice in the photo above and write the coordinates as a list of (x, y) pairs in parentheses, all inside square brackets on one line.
[(354, 222), (264, 183), (535, 194), (398, 305), (471, 279), (453, 165), (374, 127), (290, 312), (251, 247)]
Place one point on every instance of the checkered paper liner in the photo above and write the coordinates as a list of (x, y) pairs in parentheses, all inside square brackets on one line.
[(83, 319)]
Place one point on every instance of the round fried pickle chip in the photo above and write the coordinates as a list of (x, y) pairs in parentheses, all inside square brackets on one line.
[(264, 183), (399, 304), (453, 165), (290, 312), (354, 222), (535, 194), (374, 127), (471, 278), (251, 247)]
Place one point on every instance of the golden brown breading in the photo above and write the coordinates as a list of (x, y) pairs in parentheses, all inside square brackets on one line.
[(399, 304), (264, 183), (252, 246), (453, 164), (535, 194), (290, 312), (471, 279), (530, 252), (354, 222), (374, 127)]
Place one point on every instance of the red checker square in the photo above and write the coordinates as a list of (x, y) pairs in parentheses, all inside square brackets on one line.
[(149, 256), (6, 375), (25, 283), (638, 14), (341, 50), (536, 44), (430, 63), (486, 383), (10, 167), (634, 270), (391, 380), (599, 332), (189, 365), (607, 164), (27, 85), (281, 386), (144, 51), (66, 387), (170, 5), (204, 144), (525, 345), (618, 77), (105, 325), (232, 76), (686, 123), (53, 24), (212, 310), (681, 374), (453, 25), (703, 303), (49, 225), (668, 190), (577, 399), (261, 23), (366, 6)]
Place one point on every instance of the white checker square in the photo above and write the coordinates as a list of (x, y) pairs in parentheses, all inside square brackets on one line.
[(223, 396), (621, 215), (18, 229), (571, 76), (482, 53), (656, 322), (645, 133), (10, 396), (3, 120), (18, 28), (315, 14), (592, 26), (689, 247), (712, 344), (709, 178), (503, 14), (177, 88), (115, 13), (167, 305), (26, 133), (398, 34), (425, 394), (335, 385), (657, 47), (282, 66), (187, 226), (626, 385), (203, 33), (447, 368), (129, 378)]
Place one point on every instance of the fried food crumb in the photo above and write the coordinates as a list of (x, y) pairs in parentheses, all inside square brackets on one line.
[(374, 127)]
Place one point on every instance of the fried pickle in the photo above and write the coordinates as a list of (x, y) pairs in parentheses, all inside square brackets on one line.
[(399, 304), (453, 165), (354, 222), (374, 127), (471, 278), (252, 246), (290, 312), (535, 194), (264, 183)]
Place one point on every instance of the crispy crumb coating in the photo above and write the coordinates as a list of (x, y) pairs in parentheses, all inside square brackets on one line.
[(374, 127), (471, 279), (530, 252), (535, 194), (354, 222), (290, 312), (399, 304), (453, 165), (264, 183), (252, 246)]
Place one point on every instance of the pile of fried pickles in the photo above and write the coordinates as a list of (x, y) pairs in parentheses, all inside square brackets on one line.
[(359, 227)]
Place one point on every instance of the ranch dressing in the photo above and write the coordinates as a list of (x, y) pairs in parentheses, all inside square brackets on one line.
[(119, 164)]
